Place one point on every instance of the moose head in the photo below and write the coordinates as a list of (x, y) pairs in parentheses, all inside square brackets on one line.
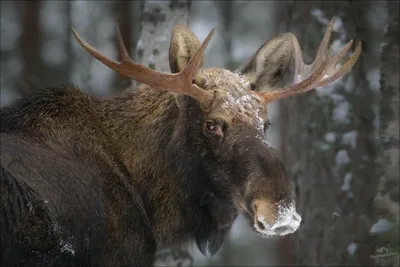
[(219, 132)]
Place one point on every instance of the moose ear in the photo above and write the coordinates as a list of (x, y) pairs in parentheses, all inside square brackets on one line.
[(269, 64), (183, 46)]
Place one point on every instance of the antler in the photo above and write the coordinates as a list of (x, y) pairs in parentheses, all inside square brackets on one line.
[(322, 69), (178, 82)]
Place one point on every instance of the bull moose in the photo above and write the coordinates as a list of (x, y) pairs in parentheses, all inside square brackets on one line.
[(93, 181)]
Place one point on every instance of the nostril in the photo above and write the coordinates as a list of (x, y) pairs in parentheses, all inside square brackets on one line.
[(282, 229), (260, 225)]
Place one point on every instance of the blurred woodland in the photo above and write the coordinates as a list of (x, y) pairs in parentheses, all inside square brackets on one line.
[(340, 142)]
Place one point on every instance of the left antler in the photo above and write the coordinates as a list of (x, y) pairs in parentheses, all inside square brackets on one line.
[(177, 82), (320, 72)]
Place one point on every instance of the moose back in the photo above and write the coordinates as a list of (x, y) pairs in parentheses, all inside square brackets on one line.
[(106, 182)]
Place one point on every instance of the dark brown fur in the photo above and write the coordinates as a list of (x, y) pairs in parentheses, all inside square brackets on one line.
[(90, 181), (78, 153)]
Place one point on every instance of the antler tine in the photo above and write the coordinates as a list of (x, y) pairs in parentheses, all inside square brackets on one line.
[(303, 70), (297, 88), (123, 52), (193, 66), (177, 82), (323, 75), (323, 47), (331, 74), (94, 52)]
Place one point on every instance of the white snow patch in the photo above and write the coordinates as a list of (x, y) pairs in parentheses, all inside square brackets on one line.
[(326, 90), (341, 112), (350, 83), (342, 157), (166, 258), (329, 91), (139, 45), (265, 141), (337, 98), (346, 186), (244, 102), (287, 216), (338, 24), (319, 16), (350, 138), (152, 60), (351, 248), (67, 247), (330, 137), (381, 226), (337, 45), (373, 77)]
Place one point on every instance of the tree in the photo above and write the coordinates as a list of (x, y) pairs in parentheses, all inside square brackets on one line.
[(45, 48), (127, 16), (30, 44), (157, 21), (387, 200), (225, 10), (331, 139)]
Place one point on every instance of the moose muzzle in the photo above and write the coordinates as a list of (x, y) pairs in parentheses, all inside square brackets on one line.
[(272, 219)]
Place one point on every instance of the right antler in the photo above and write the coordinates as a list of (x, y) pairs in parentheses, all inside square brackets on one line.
[(178, 82), (322, 69)]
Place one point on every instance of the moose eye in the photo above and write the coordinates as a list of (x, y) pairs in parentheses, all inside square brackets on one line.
[(214, 128), (211, 126)]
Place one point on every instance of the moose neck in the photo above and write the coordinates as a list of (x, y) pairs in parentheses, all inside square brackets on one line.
[(143, 123)]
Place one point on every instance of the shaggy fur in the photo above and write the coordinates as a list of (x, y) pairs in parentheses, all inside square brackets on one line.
[(90, 181)]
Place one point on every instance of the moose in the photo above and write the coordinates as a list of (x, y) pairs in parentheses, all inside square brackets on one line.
[(93, 181)]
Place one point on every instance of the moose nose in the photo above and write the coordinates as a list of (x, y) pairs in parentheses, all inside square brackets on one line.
[(273, 219), (287, 223)]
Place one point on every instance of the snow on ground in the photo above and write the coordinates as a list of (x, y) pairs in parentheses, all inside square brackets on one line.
[(381, 226), (351, 248)]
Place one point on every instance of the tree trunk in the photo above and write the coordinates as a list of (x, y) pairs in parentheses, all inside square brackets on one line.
[(225, 10), (68, 45), (30, 43), (387, 200), (284, 17), (157, 21), (331, 148), (125, 20)]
